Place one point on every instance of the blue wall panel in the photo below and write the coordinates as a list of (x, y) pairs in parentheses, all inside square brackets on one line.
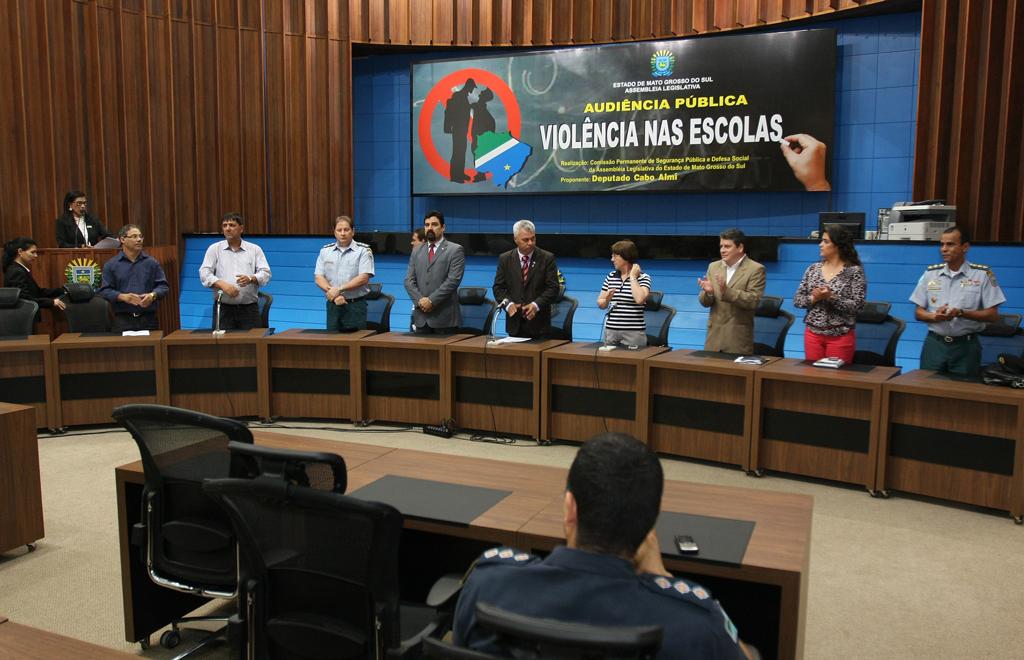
[(872, 151)]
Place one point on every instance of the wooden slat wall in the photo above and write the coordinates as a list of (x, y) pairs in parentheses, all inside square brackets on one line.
[(168, 113), (970, 129)]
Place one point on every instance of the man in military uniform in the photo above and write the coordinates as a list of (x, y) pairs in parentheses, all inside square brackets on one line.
[(956, 299), (610, 570), (343, 270)]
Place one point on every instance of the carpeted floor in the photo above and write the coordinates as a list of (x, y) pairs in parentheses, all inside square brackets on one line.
[(897, 578)]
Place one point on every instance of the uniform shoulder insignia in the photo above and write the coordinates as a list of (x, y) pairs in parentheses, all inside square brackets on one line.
[(935, 266), (332, 244), (365, 245), (980, 267), (679, 589), (506, 555)]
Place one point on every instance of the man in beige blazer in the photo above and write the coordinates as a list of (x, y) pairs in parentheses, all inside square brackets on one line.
[(732, 289)]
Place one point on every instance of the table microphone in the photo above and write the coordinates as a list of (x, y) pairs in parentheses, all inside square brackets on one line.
[(216, 320), (502, 306)]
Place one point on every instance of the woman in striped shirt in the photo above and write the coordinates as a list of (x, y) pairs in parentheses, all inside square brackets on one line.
[(625, 290)]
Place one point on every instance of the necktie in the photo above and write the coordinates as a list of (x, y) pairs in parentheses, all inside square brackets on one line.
[(430, 254), (526, 268)]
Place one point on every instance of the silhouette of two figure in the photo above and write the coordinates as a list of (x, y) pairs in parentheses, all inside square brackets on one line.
[(458, 112)]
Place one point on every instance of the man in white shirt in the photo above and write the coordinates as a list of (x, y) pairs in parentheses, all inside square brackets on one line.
[(236, 270), (732, 288)]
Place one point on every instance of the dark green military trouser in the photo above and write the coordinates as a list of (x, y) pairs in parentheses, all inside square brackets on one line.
[(962, 356), (348, 317)]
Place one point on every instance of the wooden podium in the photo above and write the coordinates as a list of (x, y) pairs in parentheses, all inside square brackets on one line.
[(21, 498), (216, 374), (49, 270), (26, 377)]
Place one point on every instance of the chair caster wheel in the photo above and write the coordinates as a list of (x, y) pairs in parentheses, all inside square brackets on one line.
[(144, 644), (755, 473), (170, 638), (1018, 520), (31, 547), (881, 493)]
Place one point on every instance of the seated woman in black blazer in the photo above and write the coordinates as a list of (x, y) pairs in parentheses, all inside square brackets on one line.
[(69, 232), (18, 256)]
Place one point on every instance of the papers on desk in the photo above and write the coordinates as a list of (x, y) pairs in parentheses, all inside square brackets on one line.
[(508, 340), (829, 362), (749, 359), (135, 333)]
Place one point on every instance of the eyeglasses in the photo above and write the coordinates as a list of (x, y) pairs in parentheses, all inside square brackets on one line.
[(83, 203), (134, 236)]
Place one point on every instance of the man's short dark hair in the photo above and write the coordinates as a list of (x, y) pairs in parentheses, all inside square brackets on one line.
[(735, 235), (127, 228), (233, 215), (617, 483), (627, 250), (434, 214), (965, 236), (345, 218)]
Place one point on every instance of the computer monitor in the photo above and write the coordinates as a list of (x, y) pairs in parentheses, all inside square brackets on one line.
[(853, 221)]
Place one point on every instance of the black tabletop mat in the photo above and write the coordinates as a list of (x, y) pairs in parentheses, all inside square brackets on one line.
[(432, 500), (719, 539)]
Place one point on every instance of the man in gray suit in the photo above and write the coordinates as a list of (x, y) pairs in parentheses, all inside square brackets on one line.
[(732, 289), (433, 278)]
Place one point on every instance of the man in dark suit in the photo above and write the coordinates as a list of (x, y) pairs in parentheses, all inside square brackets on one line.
[(432, 279), (76, 228), (527, 278)]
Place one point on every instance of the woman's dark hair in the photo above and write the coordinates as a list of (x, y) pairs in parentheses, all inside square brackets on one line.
[(68, 198), (627, 250), (12, 247), (421, 234), (842, 238)]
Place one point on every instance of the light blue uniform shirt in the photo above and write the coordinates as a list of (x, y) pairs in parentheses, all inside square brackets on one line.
[(339, 265), (973, 288)]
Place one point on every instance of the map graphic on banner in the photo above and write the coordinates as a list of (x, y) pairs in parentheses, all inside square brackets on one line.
[(747, 112)]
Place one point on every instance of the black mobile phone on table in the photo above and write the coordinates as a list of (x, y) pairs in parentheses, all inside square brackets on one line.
[(686, 545)]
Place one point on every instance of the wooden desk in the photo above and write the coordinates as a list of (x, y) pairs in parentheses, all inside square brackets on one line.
[(147, 607), (405, 377), (97, 373), (216, 374), (587, 391), (19, 642), (818, 422), (495, 388), (26, 377), (50, 270), (956, 440), (313, 375), (21, 498), (699, 405), (765, 596)]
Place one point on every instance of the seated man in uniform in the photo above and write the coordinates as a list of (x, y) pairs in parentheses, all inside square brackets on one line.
[(610, 570)]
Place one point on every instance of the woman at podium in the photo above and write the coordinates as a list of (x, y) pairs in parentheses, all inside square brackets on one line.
[(76, 228), (18, 257)]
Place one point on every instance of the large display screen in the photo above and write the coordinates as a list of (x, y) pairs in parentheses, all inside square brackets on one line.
[(749, 112)]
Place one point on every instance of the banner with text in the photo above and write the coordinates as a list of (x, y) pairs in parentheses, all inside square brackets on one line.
[(750, 112)]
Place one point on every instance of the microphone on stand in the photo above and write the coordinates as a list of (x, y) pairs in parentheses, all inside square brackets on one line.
[(502, 307), (604, 325), (216, 314)]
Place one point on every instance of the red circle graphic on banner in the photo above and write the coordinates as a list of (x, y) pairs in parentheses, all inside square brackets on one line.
[(440, 93)]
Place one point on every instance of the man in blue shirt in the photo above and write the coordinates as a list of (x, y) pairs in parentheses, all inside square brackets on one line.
[(610, 572), (133, 282)]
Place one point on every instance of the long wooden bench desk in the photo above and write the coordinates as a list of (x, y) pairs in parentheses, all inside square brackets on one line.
[(20, 642), (771, 578)]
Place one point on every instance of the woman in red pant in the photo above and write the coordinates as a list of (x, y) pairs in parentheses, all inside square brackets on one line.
[(832, 291)]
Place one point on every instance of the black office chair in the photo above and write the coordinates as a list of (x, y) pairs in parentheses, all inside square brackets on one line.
[(316, 470), (1006, 336), (17, 315), (186, 538), (378, 309), (528, 637), (771, 323), (477, 310), (562, 312), (658, 318), (878, 333), (263, 302), (85, 311), (319, 572)]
